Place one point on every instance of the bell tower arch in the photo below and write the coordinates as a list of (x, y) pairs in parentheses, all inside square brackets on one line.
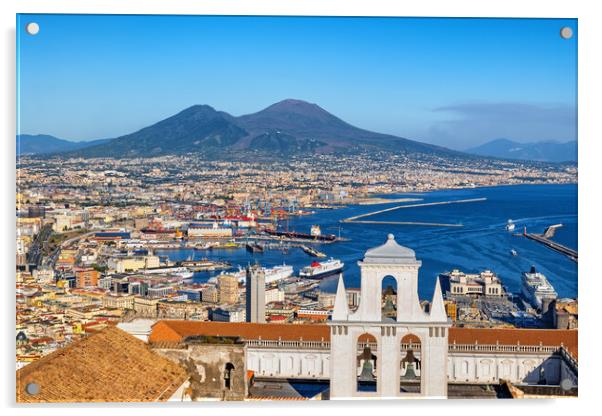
[(431, 329)]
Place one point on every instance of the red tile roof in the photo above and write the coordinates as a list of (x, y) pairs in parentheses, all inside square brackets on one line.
[(176, 331), (109, 366)]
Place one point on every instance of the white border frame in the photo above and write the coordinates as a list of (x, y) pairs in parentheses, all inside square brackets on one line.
[(590, 34)]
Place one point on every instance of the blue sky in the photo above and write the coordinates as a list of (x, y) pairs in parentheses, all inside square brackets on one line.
[(453, 82)]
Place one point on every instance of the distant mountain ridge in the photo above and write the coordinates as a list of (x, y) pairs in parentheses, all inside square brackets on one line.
[(30, 144), (283, 129), (545, 151)]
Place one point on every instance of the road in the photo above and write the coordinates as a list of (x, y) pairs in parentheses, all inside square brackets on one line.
[(36, 254)]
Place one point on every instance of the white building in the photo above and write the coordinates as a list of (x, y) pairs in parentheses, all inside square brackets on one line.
[(485, 283), (212, 231), (274, 295)]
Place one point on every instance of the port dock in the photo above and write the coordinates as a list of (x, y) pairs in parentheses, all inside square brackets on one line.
[(428, 224), (356, 218), (543, 239)]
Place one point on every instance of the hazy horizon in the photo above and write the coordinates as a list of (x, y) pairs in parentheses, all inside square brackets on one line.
[(457, 83)]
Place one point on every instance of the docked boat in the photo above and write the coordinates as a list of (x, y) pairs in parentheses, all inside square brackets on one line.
[(254, 248), (510, 226), (318, 270), (536, 288), (272, 274), (205, 265), (183, 272), (312, 251), (302, 236)]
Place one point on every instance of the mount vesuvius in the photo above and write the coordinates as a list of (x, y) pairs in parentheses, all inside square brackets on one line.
[(283, 129)]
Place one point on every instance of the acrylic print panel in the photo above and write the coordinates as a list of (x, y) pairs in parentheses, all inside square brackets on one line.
[(262, 208)]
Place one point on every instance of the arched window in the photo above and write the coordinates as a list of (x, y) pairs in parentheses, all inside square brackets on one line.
[(410, 367), (389, 299), (366, 363), (228, 370)]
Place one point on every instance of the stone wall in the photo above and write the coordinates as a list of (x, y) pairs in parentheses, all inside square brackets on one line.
[(217, 371)]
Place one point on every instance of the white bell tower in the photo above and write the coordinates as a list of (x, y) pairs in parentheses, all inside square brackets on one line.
[(394, 343)]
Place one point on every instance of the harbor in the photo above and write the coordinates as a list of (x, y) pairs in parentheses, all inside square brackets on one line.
[(482, 242)]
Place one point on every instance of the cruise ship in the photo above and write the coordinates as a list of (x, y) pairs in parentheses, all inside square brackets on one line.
[(318, 270), (536, 287), (182, 272), (272, 274)]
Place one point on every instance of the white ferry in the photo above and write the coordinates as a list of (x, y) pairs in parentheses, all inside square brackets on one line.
[(272, 274), (182, 272), (536, 287), (318, 270), (510, 226)]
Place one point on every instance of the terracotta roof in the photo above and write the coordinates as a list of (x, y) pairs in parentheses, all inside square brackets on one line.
[(176, 331), (110, 366)]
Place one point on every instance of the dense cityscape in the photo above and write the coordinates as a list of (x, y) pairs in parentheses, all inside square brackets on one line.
[(88, 231)]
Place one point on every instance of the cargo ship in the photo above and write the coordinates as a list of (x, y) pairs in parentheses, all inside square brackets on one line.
[(204, 265), (272, 274), (302, 236), (536, 287), (318, 270)]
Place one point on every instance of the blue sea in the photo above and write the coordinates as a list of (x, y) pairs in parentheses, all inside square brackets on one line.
[(481, 243)]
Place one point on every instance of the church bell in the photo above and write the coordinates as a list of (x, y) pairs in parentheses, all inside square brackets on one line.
[(367, 375), (410, 373)]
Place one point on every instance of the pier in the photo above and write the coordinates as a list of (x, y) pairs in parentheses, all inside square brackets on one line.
[(355, 219), (551, 230), (431, 224), (542, 239)]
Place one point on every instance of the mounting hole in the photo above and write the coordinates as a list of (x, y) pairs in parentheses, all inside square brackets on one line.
[(566, 384), (566, 32), (32, 28), (32, 388)]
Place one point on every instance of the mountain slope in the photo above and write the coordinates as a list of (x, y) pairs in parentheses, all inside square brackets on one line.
[(309, 121), (29, 144), (538, 151), (195, 129), (283, 129)]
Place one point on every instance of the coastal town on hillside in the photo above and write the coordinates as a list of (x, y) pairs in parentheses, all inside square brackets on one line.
[(87, 268)]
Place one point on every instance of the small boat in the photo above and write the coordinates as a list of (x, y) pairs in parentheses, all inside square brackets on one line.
[(510, 226), (312, 251), (513, 252), (254, 248)]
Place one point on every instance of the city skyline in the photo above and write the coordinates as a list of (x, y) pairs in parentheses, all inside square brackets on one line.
[(492, 85)]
